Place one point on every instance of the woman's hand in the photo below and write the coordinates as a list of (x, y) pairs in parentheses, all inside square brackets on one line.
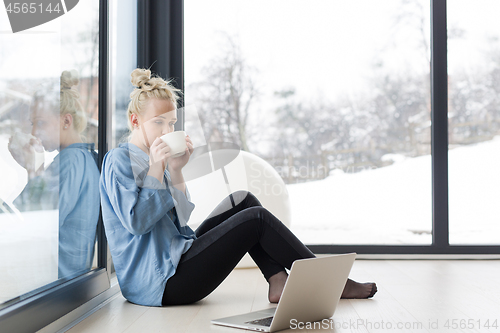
[(158, 153), (23, 152), (175, 164), (158, 159)]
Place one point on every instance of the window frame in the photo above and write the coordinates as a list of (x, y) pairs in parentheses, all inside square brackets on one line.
[(439, 152), (439, 146), (42, 308)]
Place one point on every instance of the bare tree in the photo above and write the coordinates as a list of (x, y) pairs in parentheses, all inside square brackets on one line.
[(226, 94), (474, 108), (413, 14)]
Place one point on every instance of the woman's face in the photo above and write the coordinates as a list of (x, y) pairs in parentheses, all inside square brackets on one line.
[(47, 128), (158, 119)]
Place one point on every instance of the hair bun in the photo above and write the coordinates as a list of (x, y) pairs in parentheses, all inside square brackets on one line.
[(69, 79), (140, 77)]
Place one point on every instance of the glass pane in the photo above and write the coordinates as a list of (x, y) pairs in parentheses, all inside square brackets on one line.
[(49, 197), (335, 96), (474, 121), (123, 56), (123, 60)]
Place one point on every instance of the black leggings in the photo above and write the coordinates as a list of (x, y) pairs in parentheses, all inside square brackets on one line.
[(239, 224)]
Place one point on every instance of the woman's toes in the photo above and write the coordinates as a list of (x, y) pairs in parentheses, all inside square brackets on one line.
[(373, 290), (355, 289)]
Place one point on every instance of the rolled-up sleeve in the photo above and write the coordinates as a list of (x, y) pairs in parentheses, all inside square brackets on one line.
[(138, 208), (152, 183)]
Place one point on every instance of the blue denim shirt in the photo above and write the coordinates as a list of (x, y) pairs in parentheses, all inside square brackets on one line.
[(78, 207), (70, 184), (145, 223)]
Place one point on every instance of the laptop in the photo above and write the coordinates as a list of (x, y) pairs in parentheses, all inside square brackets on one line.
[(312, 292)]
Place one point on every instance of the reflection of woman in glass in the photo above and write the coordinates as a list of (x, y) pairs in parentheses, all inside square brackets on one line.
[(159, 260), (70, 183)]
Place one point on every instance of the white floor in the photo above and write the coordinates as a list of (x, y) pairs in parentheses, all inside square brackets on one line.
[(413, 296)]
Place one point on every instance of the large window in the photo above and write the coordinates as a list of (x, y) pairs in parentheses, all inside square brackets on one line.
[(347, 100), (474, 121), (48, 158), (53, 92), (335, 95)]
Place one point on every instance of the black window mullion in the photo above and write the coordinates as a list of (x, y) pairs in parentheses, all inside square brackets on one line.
[(102, 244), (439, 130), (160, 44), (177, 53), (144, 17)]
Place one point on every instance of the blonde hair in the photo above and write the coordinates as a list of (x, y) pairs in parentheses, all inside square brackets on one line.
[(70, 100), (148, 87)]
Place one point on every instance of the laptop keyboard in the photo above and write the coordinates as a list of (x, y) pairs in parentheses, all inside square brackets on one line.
[(263, 322)]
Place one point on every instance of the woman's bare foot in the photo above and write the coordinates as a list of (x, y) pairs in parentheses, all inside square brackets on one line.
[(355, 289), (276, 285)]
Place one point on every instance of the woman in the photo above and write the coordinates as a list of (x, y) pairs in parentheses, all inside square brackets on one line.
[(159, 260), (70, 182)]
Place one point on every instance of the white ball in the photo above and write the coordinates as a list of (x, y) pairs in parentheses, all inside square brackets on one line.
[(246, 172)]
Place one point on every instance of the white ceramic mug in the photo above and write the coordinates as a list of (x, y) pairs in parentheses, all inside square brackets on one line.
[(22, 139), (177, 142), (35, 155)]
